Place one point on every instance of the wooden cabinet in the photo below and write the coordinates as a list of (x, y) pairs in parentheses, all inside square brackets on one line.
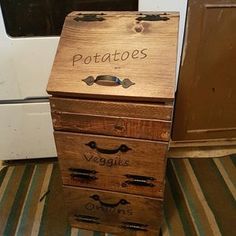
[(206, 96), (205, 110), (113, 91)]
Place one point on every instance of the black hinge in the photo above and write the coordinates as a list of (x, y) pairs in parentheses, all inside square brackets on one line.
[(89, 17), (153, 17)]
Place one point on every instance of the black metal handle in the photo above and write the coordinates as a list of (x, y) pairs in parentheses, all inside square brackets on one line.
[(134, 226), (82, 174), (95, 197), (79, 170), (141, 177), (108, 80), (87, 219), (139, 180), (121, 148)]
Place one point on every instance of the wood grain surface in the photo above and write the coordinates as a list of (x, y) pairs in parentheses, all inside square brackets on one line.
[(206, 96), (159, 111), (111, 138), (122, 46), (112, 125), (112, 209), (145, 158)]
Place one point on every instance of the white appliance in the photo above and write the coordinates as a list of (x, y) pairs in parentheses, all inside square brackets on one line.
[(25, 64), (25, 126)]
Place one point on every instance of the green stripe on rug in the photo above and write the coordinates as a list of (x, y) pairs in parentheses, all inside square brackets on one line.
[(217, 194), (26, 219), (233, 159), (180, 200), (190, 198), (200, 211), (18, 201), (229, 178), (83, 232), (172, 224), (229, 168), (68, 231), (2, 174), (98, 234), (6, 201)]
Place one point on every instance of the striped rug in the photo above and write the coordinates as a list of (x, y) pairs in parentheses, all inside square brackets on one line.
[(200, 199)]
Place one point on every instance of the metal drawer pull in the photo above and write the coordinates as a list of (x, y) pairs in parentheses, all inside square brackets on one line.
[(87, 219), (78, 170), (108, 80), (139, 180), (95, 197), (121, 148), (83, 174), (141, 177), (134, 226)]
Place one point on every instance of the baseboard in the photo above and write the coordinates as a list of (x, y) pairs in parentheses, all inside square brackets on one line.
[(202, 148)]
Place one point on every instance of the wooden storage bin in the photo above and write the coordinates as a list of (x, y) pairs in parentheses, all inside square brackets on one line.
[(113, 84)]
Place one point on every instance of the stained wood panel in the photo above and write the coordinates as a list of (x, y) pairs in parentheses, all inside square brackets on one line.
[(113, 92), (206, 96), (139, 170), (159, 111), (111, 209), (122, 119), (113, 126), (143, 51)]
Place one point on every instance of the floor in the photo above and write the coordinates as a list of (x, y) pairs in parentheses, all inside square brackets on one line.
[(199, 199)]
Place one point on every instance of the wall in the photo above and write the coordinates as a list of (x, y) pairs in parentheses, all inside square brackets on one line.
[(169, 5)]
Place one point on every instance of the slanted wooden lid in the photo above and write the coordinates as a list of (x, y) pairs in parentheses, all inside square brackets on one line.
[(116, 55)]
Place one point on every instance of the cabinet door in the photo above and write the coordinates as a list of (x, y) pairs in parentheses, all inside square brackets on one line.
[(206, 95)]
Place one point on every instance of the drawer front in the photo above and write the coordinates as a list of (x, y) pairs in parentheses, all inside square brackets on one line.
[(134, 120), (158, 111), (117, 164), (124, 211), (112, 126)]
